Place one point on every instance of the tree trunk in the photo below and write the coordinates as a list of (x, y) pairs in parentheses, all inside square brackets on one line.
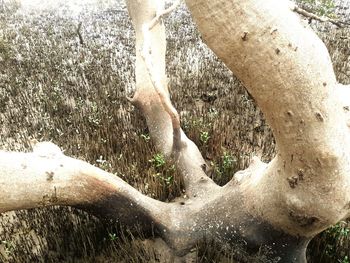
[(280, 205)]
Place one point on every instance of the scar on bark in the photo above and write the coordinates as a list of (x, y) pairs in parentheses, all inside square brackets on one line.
[(50, 199), (245, 36), (293, 181)]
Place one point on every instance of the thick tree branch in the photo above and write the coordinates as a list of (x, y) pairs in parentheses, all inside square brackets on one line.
[(146, 54), (47, 177), (287, 69), (152, 98)]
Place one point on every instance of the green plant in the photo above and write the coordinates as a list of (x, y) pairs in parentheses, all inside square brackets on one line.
[(204, 137), (226, 165), (223, 168), (344, 260), (339, 230), (332, 245), (158, 160), (112, 236), (8, 246), (167, 180), (227, 161)]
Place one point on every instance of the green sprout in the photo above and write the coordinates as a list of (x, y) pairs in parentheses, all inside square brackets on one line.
[(204, 137), (158, 160), (112, 236)]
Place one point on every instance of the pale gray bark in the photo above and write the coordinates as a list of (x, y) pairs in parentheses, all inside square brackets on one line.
[(281, 204)]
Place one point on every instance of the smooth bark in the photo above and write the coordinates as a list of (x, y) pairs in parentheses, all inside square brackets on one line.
[(287, 69), (281, 205)]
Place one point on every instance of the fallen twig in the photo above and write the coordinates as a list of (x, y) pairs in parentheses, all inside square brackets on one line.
[(311, 16)]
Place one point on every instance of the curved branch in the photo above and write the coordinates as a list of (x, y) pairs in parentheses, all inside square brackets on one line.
[(284, 65), (287, 69), (47, 177)]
